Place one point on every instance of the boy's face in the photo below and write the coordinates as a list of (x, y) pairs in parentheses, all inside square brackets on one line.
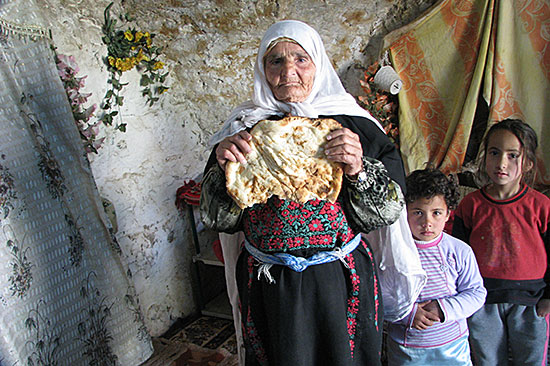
[(427, 217)]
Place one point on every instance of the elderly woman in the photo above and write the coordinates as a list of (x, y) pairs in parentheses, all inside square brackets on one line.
[(330, 313)]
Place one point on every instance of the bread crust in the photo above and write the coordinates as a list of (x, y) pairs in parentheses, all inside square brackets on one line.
[(287, 160)]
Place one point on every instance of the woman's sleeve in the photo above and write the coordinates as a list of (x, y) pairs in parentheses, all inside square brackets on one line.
[(375, 203), (218, 210)]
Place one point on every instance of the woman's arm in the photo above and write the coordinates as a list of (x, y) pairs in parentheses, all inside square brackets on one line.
[(376, 145), (218, 210), (373, 203)]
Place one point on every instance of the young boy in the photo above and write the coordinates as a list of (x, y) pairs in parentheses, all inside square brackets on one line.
[(436, 332)]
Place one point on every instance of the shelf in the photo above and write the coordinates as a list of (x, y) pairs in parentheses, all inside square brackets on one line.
[(212, 292), (219, 307), (207, 256)]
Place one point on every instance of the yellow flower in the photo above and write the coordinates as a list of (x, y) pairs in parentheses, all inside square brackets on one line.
[(139, 34), (158, 65), (124, 64), (111, 60), (128, 35), (140, 56), (129, 64), (149, 42)]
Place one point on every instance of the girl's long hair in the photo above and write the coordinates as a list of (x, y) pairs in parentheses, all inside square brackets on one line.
[(528, 140)]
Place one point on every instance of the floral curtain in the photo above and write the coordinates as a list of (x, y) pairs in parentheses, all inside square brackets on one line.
[(461, 50), (65, 298)]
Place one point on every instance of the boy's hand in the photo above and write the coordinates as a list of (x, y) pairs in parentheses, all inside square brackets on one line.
[(543, 307), (427, 313)]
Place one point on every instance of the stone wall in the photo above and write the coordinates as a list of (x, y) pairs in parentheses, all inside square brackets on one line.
[(209, 49)]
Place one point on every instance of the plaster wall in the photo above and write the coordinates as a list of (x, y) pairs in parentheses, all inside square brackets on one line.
[(209, 49)]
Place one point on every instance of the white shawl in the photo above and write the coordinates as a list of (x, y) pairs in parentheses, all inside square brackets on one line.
[(327, 97)]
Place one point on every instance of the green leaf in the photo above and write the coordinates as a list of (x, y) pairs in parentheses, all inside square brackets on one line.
[(107, 17), (122, 127), (107, 119), (145, 80)]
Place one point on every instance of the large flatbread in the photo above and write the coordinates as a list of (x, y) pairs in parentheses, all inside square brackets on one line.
[(287, 160)]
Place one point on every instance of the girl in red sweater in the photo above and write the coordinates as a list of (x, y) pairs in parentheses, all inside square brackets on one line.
[(506, 224)]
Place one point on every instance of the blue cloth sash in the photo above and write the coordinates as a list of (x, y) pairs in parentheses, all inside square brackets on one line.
[(299, 264)]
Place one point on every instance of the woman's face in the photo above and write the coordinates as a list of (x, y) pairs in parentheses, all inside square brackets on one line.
[(290, 72)]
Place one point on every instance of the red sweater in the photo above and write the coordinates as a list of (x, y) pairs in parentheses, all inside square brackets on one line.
[(511, 242)]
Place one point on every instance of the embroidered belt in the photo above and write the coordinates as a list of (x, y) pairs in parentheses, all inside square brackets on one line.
[(299, 264)]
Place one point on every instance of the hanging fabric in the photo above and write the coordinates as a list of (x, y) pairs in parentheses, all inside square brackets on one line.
[(65, 298), (457, 51)]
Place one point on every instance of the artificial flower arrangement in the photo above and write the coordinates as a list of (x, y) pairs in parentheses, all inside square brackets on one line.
[(68, 70), (381, 104), (126, 50)]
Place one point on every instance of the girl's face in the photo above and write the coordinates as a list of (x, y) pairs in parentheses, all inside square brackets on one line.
[(427, 217), (504, 161)]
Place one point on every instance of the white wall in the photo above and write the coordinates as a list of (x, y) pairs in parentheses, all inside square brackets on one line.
[(209, 51)]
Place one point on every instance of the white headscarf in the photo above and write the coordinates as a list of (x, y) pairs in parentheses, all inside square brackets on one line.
[(327, 97)]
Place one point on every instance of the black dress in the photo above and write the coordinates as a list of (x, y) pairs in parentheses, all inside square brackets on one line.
[(329, 314)]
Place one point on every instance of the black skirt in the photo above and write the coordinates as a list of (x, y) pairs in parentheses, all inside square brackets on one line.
[(326, 315)]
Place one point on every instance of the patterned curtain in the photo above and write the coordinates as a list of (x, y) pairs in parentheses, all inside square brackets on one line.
[(65, 298), (461, 50)]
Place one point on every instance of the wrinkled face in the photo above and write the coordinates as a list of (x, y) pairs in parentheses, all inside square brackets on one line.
[(504, 160), (290, 72), (427, 217)]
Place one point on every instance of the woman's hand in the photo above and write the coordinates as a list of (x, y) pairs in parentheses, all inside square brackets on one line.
[(344, 147), (233, 148)]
